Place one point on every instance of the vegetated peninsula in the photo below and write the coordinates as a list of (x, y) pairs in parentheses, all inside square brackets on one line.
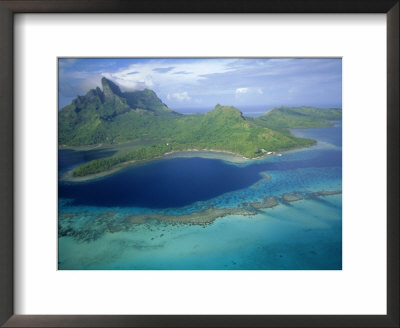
[(284, 118), (111, 117)]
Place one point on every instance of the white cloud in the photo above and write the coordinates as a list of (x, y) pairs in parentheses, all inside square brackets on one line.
[(180, 96), (241, 93), (241, 90), (159, 72)]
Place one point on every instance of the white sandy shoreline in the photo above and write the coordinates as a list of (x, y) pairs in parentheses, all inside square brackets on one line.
[(190, 153), (223, 155)]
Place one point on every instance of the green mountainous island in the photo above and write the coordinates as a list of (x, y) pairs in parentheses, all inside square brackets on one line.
[(141, 119)]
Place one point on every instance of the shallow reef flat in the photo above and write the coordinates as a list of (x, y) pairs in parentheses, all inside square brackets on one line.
[(266, 178), (89, 226), (326, 193), (304, 235), (291, 197), (267, 202), (204, 217)]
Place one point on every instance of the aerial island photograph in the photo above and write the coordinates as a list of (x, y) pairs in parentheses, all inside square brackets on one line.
[(199, 163)]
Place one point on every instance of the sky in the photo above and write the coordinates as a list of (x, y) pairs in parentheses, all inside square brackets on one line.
[(199, 84)]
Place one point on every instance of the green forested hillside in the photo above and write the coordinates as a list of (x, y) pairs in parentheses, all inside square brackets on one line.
[(110, 116), (222, 128), (282, 118)]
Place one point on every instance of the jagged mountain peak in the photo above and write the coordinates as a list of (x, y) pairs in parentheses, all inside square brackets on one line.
[(110, 88), (109, 102)]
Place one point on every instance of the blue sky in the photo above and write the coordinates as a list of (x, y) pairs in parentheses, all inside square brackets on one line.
[(193, 83)]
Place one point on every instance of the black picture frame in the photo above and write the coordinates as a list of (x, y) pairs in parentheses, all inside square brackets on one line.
[(10, 7)]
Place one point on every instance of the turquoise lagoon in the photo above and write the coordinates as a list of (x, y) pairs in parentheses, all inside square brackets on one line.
[(95, 232)]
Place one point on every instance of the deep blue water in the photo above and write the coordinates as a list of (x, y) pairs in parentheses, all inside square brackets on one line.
[(292, 236), (182, 181), (166, 183), (332, 135)]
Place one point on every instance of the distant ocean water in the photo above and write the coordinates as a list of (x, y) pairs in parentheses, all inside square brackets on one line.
[(251, 111), (302, 235)]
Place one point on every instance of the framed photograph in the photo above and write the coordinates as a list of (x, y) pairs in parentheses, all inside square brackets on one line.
[(150, 158), (214, 164)]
